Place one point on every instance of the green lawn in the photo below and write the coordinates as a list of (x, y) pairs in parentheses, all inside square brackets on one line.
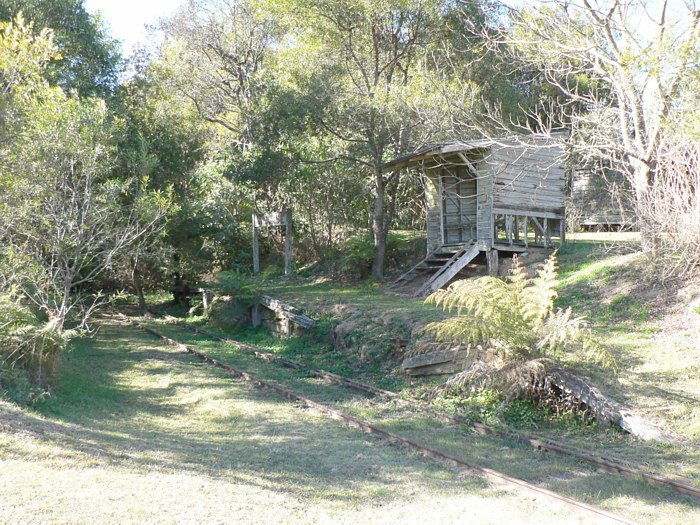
[(654, 339), (137, 432)]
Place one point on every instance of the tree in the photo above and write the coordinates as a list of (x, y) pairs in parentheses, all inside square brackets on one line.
[(370, 61), (89, 57), (619, 68), (163, 135), (218, 47), (63, 219)]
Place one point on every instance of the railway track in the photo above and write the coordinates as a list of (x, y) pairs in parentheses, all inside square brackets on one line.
[(601, 463), (391, 437)]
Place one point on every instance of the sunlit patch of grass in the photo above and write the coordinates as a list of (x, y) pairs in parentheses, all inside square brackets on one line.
[(141, 432)]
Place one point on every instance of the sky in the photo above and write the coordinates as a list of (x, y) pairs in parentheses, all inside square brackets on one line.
[(127, 18)]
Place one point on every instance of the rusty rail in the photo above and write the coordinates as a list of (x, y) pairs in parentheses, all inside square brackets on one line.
[(600, 462), (391, 437)]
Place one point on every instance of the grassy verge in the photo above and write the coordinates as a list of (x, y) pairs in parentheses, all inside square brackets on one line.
[(561, 474), (659, 363), (653, 334), (137, 432)]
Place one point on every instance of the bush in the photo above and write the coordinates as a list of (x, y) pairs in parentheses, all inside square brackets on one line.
[(228, 312), (357, 254), (242, 286), (517, 320), (516, 317), (28, 351), (16, 386)]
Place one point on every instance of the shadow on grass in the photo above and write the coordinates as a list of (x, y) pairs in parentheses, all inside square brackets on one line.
[(126, 400), (109, 407)]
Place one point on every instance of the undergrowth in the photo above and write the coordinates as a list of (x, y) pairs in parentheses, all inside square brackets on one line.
[(489, 407), (29, 348)]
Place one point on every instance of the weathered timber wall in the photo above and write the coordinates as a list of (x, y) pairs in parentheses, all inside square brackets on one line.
[(528, 179), (433, 204), (507, 178)]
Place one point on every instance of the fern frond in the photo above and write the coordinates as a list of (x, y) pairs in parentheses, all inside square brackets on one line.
[(541, 292), (515, 379), (461, 329), (598, 352), (558, 329), (517, 276), (515, 315)]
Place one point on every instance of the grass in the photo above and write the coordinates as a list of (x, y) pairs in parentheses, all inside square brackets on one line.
[(659, 377), (137, 432), (559, 474), (655, 344)]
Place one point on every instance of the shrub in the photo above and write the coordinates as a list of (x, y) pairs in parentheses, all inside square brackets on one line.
[(28, 351), (242, 286), (357, 254), (517, 319)]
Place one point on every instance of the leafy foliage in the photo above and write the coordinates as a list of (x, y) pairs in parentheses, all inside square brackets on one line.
[(89, 57), (63, 218), (516, 316), (28, 351)]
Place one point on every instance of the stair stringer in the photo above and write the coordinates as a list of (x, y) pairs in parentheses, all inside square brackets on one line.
[(447, 272)]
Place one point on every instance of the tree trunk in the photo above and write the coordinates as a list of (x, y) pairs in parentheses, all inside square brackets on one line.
[(138, 288), (643, 181), (379, 229)]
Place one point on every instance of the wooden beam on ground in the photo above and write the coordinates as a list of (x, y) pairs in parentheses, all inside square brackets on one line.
[(286, 311)]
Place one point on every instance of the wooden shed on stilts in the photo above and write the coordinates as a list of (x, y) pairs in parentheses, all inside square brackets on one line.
[(486, 196)]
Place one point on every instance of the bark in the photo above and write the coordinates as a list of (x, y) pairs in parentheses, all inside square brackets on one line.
[(379, 229), (138, 288), (643, 181)]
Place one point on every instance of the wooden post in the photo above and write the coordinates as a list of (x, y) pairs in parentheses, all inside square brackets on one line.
[(288, 242), (207, 297), (562, 231), (255, 315), (256, 246), (492, 261), (525, 234), (509, 229)]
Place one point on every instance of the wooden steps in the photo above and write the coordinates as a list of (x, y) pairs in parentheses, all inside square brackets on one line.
[(441, 265)]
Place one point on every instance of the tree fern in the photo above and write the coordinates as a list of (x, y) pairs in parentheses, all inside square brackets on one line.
[(515, 316)]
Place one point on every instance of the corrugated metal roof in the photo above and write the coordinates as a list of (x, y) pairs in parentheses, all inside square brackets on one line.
[(456, 146), (434, 150)]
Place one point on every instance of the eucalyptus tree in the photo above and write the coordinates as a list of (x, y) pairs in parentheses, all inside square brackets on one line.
[(370, 63), (621, 70), (219, 48)]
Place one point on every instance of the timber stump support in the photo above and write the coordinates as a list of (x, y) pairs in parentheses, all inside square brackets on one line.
[(492, 262)]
